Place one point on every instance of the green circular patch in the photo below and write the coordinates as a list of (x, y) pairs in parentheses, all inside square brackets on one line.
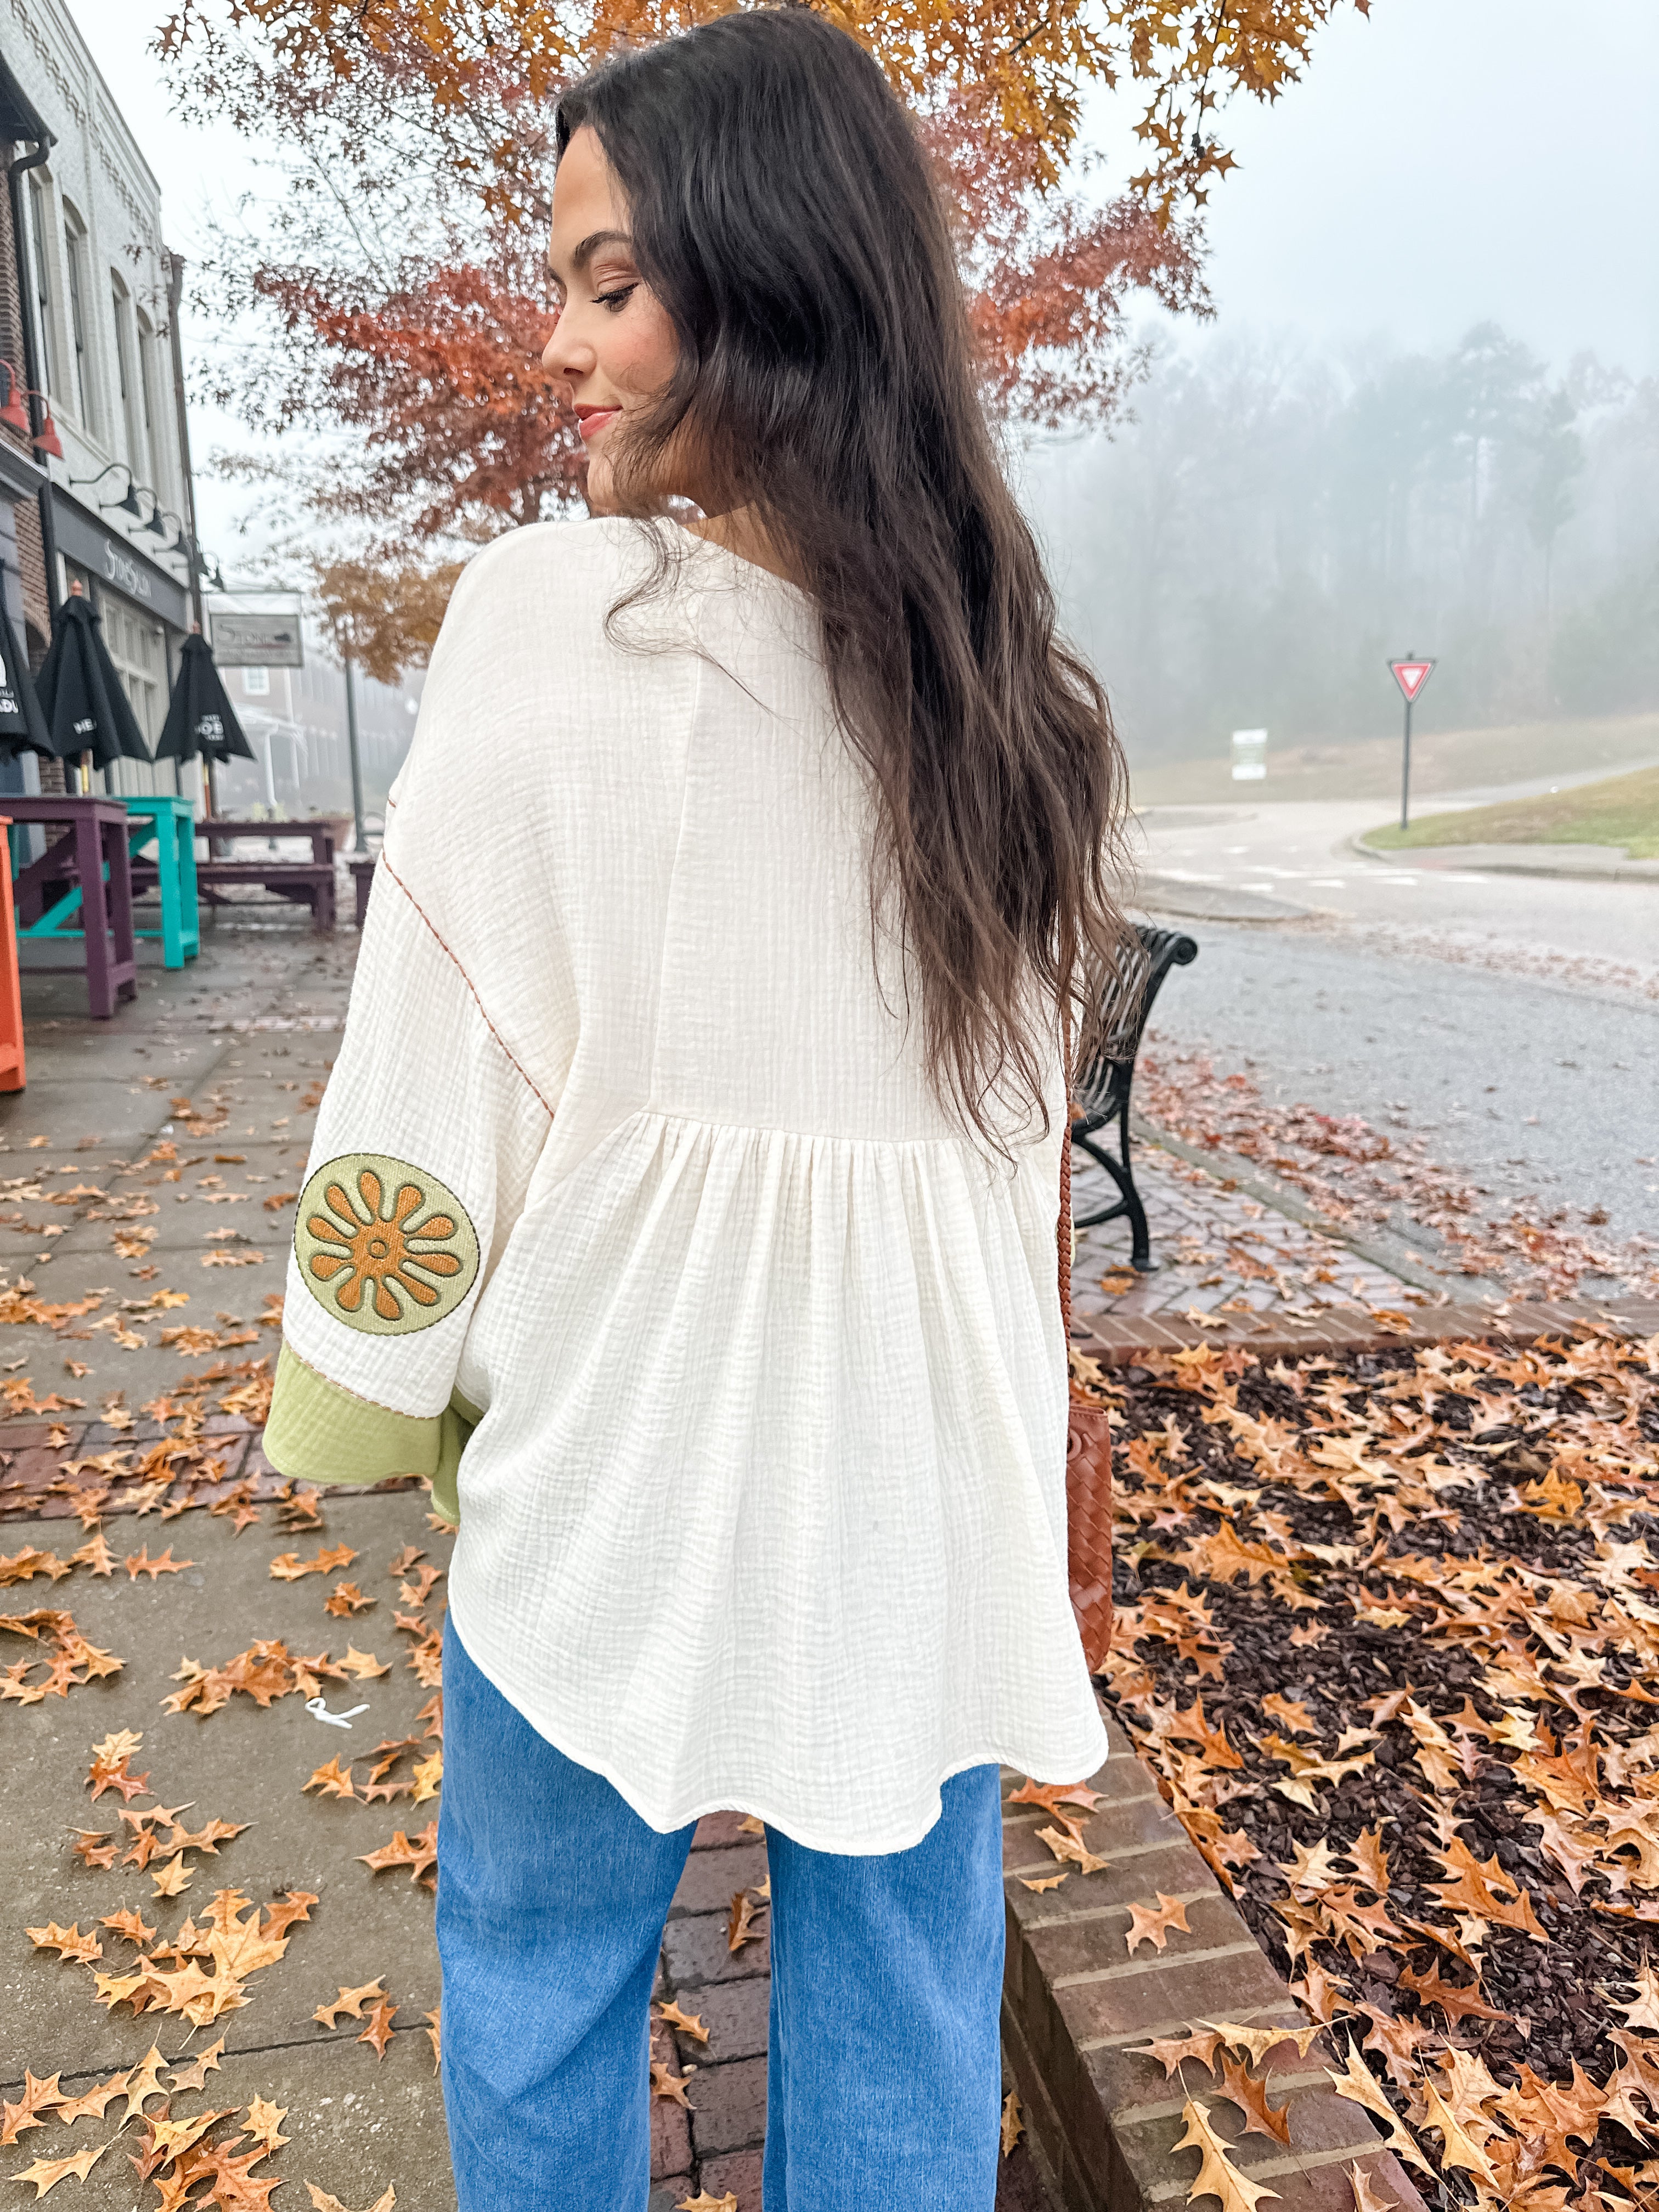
[(383, 1246)]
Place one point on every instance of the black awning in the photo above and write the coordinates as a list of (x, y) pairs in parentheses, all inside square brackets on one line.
[(18, 121)]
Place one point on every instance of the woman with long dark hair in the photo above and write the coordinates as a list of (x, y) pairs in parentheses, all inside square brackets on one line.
[(691, 1160)]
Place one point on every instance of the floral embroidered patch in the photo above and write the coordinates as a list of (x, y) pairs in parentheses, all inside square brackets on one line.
[(383, 1246)]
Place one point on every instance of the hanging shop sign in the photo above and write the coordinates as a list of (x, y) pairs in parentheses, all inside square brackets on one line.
[(256, 630)]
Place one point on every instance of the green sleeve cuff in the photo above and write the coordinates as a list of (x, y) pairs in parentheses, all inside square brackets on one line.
[(455, 1425), (319, 1433)]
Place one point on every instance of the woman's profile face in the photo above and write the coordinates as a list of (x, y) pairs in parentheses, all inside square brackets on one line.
[(613, 344)]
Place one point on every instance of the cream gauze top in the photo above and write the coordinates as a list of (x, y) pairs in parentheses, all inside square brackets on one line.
[(765, 1508)]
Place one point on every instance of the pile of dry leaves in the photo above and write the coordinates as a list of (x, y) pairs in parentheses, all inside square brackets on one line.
[(1387, 1630), (131, 1212), (211, 1962), (1355, 1175)]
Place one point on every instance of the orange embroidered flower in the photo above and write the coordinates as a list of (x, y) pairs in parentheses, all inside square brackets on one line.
[(380, 1251)]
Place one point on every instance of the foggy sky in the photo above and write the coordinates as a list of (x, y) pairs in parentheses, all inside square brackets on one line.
[(1444, 162)]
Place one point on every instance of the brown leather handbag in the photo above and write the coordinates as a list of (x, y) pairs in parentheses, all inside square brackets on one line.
[(1088, 1458)]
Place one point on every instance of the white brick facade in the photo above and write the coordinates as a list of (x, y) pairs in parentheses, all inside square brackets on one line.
[(96, 273)]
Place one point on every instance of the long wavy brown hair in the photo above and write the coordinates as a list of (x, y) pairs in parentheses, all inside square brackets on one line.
[(784, 215)]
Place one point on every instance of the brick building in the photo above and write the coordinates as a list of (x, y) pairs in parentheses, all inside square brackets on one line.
[(87, 317), (23, 472)]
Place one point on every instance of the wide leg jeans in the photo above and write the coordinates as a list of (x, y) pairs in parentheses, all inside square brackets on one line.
[(883, 2069)]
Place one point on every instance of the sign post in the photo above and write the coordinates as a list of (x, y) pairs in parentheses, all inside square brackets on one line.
[(1410, 675)]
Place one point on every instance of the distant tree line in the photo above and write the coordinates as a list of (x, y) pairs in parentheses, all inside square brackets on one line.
[(1273, 525)]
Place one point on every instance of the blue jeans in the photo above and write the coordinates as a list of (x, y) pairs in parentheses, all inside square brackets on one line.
[(884, 2081)]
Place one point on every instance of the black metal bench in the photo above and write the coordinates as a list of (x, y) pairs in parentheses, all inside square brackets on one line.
[(1103, 1082)]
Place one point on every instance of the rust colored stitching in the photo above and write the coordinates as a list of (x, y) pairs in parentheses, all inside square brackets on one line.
[(465, 979)]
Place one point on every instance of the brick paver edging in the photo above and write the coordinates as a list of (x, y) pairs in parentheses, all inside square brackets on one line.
[(711, 2142), (1077, 2002), (1275, 1336)]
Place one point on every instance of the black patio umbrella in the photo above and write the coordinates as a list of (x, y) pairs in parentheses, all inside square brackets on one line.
[(200, 717), (22, 725), (80, 695)]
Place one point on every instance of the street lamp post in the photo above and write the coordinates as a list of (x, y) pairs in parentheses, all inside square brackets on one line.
[(360, 841)]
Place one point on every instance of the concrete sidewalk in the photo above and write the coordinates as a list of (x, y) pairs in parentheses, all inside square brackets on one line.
[(147, 1179), (356, 2122), (141, 1261)]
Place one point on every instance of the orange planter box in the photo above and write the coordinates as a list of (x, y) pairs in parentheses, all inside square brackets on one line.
[(13, 1072)]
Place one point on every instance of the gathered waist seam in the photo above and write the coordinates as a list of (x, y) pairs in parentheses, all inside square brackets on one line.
[(945, 1141)]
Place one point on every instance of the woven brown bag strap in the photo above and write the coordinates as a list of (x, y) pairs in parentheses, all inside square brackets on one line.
[(1064, 1227), (1088, 1443)]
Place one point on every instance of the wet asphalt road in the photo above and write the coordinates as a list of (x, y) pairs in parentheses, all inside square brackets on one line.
[(1528, 1085), (1545, 1083)]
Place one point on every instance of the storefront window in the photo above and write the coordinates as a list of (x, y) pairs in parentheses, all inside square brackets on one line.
[(76, 239), (38, 225), (132, 404), (138, 646)]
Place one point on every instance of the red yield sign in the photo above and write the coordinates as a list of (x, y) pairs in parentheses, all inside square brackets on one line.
[(1410, 675)]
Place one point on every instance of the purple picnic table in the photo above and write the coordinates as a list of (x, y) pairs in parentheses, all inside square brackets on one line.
[(306, 883), (90, 866)]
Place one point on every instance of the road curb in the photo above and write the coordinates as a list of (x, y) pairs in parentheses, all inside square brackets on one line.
[(1630, 871), (1388, 1251), (1275, 1336), (1156, 894)]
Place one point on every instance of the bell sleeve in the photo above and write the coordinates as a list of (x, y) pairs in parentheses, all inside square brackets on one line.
[(429, 1130), (426, 1139)]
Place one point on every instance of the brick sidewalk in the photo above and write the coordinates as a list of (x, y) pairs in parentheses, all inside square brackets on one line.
[(1218, 1251), (712, 2139), (709, 2117)]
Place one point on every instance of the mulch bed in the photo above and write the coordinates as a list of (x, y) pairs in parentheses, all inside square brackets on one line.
[(1387, 1634)]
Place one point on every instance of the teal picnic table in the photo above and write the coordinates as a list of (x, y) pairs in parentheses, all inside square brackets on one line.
[(168, 824)]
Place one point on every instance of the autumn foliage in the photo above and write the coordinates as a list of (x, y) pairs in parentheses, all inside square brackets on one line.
[(1050, 277), (384, 616), (427, 351), (483, 67), (400, 262)]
